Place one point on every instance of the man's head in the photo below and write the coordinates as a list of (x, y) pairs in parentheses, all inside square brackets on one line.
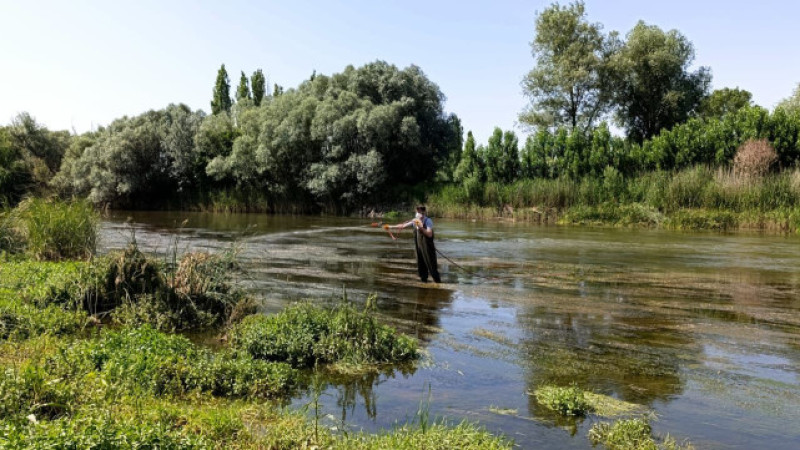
[(421, 210)]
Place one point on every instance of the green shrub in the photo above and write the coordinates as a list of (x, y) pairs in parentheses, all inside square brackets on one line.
[(56, 230), (31, 390), (305, 335)]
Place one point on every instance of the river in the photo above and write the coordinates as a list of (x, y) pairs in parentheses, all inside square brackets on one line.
[(701, 328)]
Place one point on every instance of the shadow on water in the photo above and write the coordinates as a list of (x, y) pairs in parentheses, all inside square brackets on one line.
[(702, 329)]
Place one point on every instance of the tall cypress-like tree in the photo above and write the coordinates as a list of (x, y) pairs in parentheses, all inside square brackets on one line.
[(221, 100), (259, 86), (243, 91)]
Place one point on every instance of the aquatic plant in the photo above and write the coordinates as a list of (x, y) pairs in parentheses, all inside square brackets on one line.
[(568, 401), (631, 434), (305, 335)]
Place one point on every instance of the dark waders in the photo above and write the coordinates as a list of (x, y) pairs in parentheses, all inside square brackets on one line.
[(426, 257)]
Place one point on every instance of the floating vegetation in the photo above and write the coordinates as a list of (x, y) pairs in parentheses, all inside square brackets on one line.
[(305, 335), (567, 401), (573, 401), (503, 411), (632, 434)]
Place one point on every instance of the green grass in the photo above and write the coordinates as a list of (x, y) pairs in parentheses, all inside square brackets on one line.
[(145, 361), (631, 434), (306, 335), (694, 198), (57, 230)]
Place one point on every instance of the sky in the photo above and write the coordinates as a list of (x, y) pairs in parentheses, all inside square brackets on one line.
[(80, 64)]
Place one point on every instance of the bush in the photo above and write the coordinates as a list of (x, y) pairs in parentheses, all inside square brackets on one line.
[(305, 335), (57, 230), (754, 158)]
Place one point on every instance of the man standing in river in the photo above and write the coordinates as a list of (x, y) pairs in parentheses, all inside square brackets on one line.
[(423, 243)]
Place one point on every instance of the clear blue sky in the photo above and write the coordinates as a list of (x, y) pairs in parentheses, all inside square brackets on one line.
[(78, 64)]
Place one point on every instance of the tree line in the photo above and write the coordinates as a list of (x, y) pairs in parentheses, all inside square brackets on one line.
[(336, 142)]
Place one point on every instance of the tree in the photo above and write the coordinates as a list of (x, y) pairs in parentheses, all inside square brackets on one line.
[(791, 104), (221, 100), (654, 88), (243, 91), (277, 90), (724, 101), (259, 86), (501, 157), (567, 86), (470, 163)]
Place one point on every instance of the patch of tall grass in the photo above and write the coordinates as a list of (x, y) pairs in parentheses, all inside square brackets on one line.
[(306, 335), (650, 199), (57, 230)]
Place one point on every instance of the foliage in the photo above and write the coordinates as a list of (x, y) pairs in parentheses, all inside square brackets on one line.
[(568, 401), (306, 335), (143, 360), (724, 101), (56, 230), (501, 157), (754, 158), (653, 87), (15, 170), (135, 160), (469, 165), (221, 95), (258, 84), (243, 91), (791, 104), (567, 87), (631, 434), (42, 148), (715, 142)]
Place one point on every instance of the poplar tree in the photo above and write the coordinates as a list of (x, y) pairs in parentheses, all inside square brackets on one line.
[(221, 100), (243, 91), (259, 86)]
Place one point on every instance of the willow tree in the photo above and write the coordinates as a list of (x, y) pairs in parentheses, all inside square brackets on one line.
[(654, 88), (567, 86)]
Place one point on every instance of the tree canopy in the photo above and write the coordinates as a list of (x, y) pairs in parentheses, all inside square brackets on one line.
[(567, 87), (654, 88)]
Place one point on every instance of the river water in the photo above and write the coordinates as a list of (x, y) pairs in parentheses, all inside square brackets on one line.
[(702, 329)]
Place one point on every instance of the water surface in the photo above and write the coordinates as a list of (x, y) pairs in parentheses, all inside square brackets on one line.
[(703, 329)]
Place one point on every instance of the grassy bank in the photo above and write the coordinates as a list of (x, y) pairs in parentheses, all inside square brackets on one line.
[(696, 198)]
